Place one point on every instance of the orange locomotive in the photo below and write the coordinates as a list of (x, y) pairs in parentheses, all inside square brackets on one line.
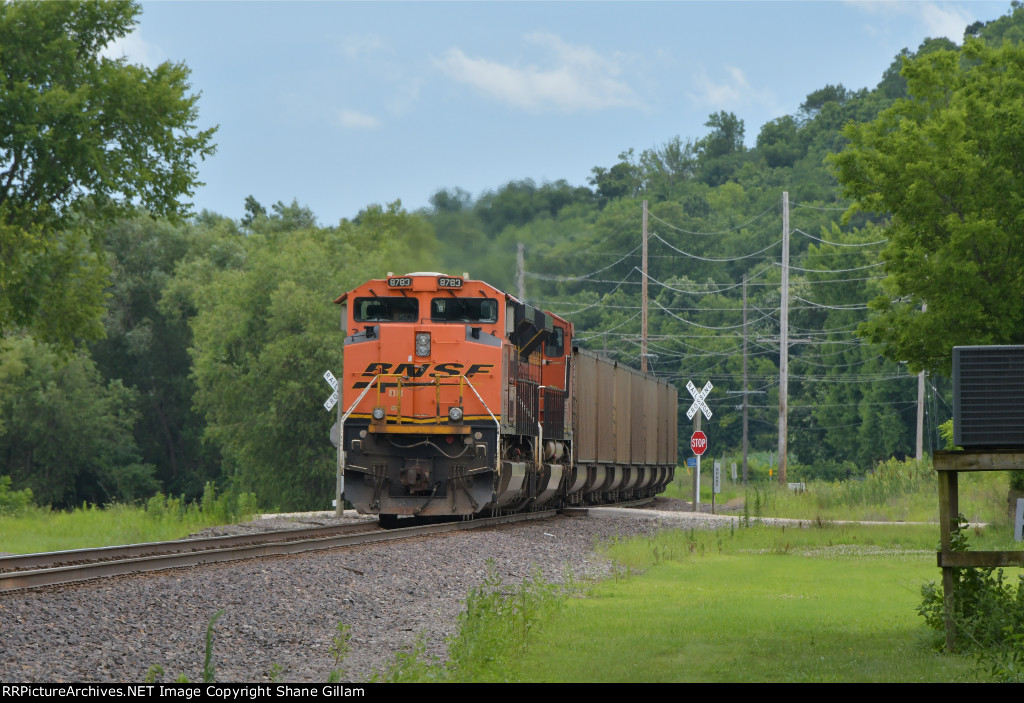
[(459, 399)]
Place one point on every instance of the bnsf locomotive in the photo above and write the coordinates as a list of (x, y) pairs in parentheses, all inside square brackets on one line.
[(460, 399)]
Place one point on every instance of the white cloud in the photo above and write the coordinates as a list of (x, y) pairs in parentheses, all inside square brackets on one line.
[(354, 46), (938, 19), (723, 93), (576, 78), (134, 48), (350, 119), (944, 20)]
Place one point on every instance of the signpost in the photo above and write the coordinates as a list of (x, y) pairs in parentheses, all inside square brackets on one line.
[(699, 441), (716, 486), (339, 504)]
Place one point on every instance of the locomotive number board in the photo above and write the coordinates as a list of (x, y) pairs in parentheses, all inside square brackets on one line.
[(402, 282), (449, 282)]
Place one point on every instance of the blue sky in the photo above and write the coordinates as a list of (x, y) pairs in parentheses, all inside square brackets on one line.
[(344, 104)]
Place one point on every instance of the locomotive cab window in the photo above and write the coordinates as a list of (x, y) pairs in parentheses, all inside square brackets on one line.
[(464, 309), (555, 344), (386, 309)]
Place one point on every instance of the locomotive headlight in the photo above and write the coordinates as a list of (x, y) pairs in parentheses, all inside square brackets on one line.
[(455, 414), (378, 413), (423, 344)]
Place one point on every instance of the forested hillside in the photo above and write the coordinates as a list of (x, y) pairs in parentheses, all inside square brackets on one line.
[(145, 349)]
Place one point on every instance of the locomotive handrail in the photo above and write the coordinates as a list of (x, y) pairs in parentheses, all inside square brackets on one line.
[(438, 381), (340, 498), (497, 428)]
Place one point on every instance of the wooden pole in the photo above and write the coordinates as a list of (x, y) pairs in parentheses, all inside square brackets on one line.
[(920, 407), (784, 343), (745, 389), (643, 312)]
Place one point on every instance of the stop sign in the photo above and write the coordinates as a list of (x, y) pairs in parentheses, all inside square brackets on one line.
[(698, 442)]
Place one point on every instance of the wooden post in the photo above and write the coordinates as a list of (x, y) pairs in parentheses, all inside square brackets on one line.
[(643, 295), (784, 344), (948, 521), (746, 395)]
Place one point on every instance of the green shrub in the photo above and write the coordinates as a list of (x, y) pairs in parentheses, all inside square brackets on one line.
[(13, 502), (988, 611)]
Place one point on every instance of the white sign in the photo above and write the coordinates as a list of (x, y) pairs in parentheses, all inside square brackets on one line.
[(330, 402), (718, 478), (333, 382), (698, 400)]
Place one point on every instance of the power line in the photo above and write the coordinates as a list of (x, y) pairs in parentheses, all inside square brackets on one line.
[(724, 231)]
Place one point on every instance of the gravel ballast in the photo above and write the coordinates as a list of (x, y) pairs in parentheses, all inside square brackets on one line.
[(283, 612)]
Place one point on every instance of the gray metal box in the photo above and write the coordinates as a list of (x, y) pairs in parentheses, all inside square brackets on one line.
[(988, 396)]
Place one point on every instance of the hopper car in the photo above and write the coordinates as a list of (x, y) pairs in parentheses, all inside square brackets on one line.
[(459, 399)]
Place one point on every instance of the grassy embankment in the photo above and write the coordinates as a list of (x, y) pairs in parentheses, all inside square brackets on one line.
[(30, 529), (821, 603), (759, 603)]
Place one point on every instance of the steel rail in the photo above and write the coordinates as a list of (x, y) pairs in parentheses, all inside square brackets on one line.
[(17, 580), (43, 560)]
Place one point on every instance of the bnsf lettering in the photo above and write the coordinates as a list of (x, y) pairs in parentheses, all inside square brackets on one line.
[(414, 371), (411, 370)]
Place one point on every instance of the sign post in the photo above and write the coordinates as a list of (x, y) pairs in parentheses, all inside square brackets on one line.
[(716, 485), (699, 437), (339, 492)]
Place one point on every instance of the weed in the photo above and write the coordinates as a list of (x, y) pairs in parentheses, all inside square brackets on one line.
[(275, 672), (987, 610), (409, 666), (208, 668), (339, 649)]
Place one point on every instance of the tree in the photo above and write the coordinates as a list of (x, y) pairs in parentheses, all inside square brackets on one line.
[(146, 347), (725, 137), (948, 165), (265, 329), (67, 434), (82, 138)]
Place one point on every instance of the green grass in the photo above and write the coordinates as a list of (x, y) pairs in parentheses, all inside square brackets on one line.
[(758, 604), (896, 491), (36, 529), (819, 603)]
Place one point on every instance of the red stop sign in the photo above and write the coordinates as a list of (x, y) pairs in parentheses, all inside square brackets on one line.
[(698, 442)]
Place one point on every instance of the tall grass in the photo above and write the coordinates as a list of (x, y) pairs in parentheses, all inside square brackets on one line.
[(34, 529), (894, 491)]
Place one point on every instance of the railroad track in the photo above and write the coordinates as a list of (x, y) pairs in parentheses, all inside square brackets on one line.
[(54, 568)]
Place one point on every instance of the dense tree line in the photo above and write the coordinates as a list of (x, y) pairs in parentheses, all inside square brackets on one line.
[(144, 349)]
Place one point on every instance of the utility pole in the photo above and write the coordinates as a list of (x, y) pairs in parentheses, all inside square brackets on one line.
[(520, 273), (784, 343), (920, 407), (745, 394), (643, 313)]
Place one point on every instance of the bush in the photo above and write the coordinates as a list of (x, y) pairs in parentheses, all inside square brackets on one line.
[(13, 502), (988, 610)]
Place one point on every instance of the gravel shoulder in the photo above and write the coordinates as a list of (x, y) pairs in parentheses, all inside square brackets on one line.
[(284, 611)]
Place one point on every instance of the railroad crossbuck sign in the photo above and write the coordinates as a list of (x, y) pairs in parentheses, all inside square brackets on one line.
[(333, 382), (698, 400)]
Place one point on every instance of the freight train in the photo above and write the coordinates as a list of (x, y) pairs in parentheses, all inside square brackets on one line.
[(458, 399)]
